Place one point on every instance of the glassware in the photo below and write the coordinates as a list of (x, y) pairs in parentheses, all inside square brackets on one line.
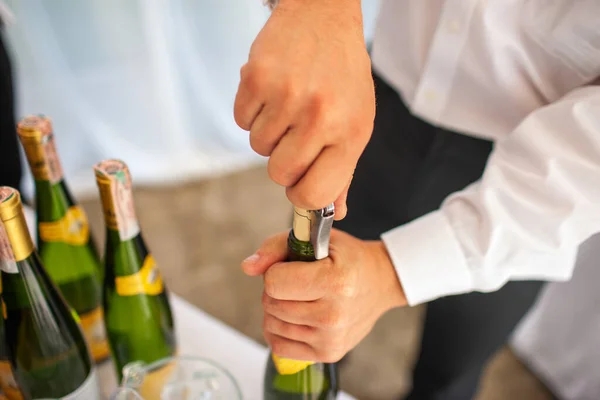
[(177, 378)]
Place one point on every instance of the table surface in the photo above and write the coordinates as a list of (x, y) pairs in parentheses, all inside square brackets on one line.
[(200, 334)]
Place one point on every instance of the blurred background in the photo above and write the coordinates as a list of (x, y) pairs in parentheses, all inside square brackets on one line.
[(153, 82)]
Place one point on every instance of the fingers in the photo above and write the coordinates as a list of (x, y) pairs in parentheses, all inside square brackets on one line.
[(325, 180), (293, 312), (288, 348), (273, 250), (269, 127), (303, 343), (284, 329), (248, 101), (300, 281), (292, 156), (341, 209)]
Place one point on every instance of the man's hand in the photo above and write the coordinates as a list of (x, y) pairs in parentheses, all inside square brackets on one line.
[(320, 310), (307, 97)]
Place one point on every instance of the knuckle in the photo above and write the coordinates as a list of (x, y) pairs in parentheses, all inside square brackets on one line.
[(278, 346), (305, 198), (331, 320), (319, 102), (330, 355), (270, 325), (289, 89), (252, 74), (280, 174), (269, 286), (265, 301), (259, 144)]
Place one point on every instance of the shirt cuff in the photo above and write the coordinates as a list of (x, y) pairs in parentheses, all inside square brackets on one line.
[(428, 259)]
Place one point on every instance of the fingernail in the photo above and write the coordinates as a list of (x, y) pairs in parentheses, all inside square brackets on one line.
[(252, 259)]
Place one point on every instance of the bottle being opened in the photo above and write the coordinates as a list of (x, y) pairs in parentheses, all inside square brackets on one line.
[(287, 379), (64, 240), (48, 354), (137, 313)]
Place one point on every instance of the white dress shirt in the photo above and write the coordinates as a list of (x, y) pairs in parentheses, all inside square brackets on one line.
[(6, 15), (521, 73)]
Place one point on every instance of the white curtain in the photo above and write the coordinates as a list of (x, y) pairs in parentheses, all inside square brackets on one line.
[(149, 81)]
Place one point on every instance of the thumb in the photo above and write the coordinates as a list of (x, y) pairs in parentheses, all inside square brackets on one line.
[(272, 251)]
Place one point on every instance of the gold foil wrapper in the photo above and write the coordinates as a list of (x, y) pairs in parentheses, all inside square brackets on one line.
[(7, 258), (11, 214), (301, 224), (115, 186), (35, 132)]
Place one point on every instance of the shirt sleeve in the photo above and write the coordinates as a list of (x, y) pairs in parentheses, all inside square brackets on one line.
[(538, 199)]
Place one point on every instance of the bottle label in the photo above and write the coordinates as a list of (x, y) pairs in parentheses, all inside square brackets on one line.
[(73, 228), (8, 384), (147, 280), (89, 390), (92, 324), (286, 366), (8, 263)]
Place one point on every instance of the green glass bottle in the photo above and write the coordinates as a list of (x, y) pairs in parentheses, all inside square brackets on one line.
[(300, 380), (9, 388), (64, 240), (138, 316), (48, 352)]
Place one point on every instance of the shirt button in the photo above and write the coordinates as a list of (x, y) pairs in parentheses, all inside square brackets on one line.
[(453, 26), (430, 95)]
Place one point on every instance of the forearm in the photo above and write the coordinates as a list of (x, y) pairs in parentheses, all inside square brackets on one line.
[(538, 199)]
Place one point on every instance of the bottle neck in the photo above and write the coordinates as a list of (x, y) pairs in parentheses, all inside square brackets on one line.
[(43, 158), (18, 235), (119, 212), (299, 250), (52, 200)]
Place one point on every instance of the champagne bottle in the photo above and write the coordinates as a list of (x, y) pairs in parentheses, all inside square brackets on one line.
[(48, 351), (64, 240), (8, 385), (137, 312), (303, 380)]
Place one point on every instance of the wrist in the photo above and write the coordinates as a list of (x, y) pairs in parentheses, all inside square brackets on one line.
[(391, 291), (352, 8)]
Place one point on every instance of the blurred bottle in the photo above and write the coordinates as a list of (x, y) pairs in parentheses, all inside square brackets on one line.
[(49, 355), (137, 312), (287, 379), (8, 385), (64, 240)]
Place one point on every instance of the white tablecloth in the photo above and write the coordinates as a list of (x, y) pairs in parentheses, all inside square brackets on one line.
[(200, 334)]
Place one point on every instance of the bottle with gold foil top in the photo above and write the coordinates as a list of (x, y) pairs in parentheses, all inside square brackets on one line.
[(64, 240), (138, 316), (8, 384), (294, 379), (48, 352)]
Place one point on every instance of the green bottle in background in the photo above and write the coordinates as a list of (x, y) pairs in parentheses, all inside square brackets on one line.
[(48, 352), (64, 240), (9, 388), (300, 380), (137, 312)]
